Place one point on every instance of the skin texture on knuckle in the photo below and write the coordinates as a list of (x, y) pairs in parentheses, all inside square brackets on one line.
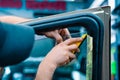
[(58, 39), (74, 46), (67, 58), (62, 44), (65, 53)]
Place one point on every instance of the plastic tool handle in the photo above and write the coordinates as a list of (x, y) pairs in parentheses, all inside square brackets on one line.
[(79, 43)]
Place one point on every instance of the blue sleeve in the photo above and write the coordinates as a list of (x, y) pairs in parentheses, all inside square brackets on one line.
[(16, 42)]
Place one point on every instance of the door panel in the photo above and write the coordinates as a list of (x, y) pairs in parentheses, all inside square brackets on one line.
[(96, 22)]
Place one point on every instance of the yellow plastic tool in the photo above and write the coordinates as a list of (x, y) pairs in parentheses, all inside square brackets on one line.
[(79, 43)]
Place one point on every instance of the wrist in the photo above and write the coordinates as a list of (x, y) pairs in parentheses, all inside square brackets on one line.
[(50, 63), (45, 70)]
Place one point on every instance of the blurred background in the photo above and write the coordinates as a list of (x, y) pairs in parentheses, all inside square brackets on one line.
[(39, 8)]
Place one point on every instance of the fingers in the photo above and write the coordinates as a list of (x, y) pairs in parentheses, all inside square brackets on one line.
[(57, 36), (67, 61), (78, 50), (73, 47), (66, 31), (72, 40), (71, 56)]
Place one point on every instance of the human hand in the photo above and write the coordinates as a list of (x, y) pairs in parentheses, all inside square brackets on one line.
[(62, 54), (57, 34)]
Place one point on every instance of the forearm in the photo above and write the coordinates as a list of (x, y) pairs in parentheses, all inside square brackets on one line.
[(12, 19), (45, 70)]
